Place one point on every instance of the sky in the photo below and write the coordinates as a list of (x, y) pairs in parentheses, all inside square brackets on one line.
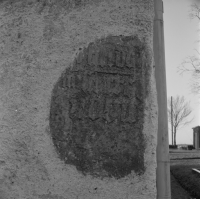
[(181, 36)]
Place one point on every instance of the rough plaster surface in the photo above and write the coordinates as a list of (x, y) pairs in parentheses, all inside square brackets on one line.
[(38, 41)]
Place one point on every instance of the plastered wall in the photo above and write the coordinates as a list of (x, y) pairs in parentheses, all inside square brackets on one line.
[(39, 41)]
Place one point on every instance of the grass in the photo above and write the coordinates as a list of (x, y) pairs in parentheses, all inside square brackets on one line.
[(189, 180), (177, 192)]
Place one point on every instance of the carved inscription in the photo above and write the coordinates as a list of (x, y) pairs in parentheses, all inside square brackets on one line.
[(97, 108)]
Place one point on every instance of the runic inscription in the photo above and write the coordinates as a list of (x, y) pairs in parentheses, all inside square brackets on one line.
[(97, 108)]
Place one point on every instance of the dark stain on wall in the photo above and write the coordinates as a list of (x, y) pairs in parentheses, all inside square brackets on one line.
[(97, 108)]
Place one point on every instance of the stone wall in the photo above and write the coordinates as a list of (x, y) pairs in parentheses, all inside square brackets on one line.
[(78, 100)]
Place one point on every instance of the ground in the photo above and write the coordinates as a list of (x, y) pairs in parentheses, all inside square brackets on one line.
[(176, 158), (177, 191)]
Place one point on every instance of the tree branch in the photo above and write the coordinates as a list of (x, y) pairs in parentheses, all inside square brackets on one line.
[(181, 111)]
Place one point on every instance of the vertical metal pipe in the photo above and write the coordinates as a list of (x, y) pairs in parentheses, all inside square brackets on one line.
[(163, 164), (172, 118)]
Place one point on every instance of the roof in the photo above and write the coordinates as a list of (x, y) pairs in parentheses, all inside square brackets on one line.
[(196, 127)]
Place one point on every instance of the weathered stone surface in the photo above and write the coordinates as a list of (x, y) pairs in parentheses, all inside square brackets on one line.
[(97, 108), (38, 42)]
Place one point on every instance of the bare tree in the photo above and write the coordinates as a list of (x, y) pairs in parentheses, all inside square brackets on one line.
[(178, 115), (192, 63)]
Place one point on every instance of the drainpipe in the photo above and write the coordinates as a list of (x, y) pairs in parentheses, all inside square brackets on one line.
[(163, 163)]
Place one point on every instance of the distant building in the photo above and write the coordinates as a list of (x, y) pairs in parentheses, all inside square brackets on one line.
[(196, 137)]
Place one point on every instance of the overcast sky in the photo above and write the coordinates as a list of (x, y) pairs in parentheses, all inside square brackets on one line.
[(181, 35)]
